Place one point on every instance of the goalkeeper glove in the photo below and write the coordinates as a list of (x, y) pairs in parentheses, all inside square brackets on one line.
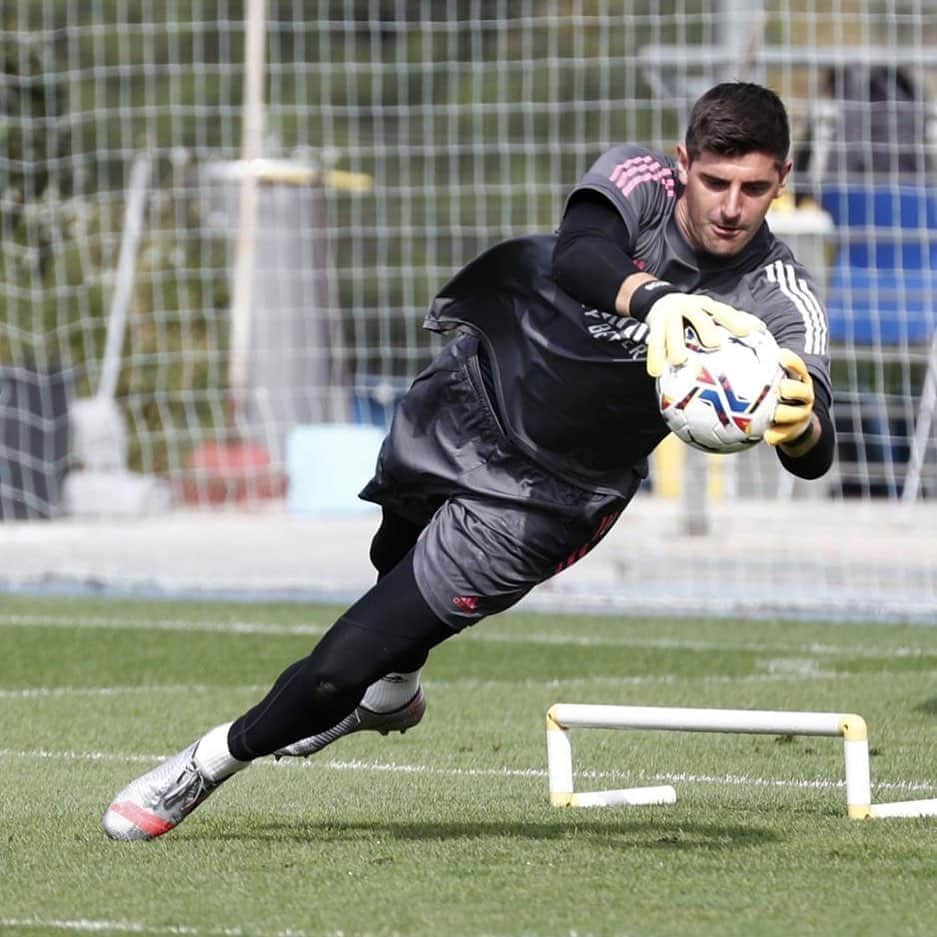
[(666, 309), (794, 411)]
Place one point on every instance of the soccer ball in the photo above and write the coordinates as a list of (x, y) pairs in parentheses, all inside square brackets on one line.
[(722, 399)]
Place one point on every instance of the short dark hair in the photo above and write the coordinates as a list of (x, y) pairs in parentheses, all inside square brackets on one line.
[(738, 117)]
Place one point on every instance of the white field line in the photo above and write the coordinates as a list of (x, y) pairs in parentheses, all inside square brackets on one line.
[(532, 637), (157, 624), (735, 780), (88, 926), (467, 683), (799, 675), (69, 692)]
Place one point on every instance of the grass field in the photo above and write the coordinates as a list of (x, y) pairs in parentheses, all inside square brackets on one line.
[(447, 829)]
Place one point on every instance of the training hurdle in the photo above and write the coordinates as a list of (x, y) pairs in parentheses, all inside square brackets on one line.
[(852, 728)]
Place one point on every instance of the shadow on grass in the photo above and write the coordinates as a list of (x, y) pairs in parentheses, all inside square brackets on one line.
[(680, 835), (928, 707)]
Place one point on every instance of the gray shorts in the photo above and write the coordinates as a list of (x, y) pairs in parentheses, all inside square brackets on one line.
[(496, 523)]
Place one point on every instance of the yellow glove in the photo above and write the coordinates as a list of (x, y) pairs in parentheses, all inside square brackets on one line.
[(667, 318), (795, 402)]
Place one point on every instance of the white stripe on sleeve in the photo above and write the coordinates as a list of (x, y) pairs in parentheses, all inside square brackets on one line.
[(805, 302)]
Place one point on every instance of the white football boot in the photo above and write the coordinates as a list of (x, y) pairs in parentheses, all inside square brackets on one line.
[(362, 718), (161, 799)]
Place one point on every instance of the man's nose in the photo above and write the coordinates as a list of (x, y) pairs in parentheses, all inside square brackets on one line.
[(732, 203)]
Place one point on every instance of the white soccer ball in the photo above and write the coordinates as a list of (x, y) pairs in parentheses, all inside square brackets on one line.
[(722, 399)]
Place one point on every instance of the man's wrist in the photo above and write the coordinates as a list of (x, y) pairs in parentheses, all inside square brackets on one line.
[(805, 441), (645, 295)]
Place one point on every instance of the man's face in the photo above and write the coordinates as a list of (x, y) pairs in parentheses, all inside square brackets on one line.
[(726, 198)]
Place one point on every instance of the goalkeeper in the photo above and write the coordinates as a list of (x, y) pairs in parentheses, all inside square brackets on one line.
[(518, 448)]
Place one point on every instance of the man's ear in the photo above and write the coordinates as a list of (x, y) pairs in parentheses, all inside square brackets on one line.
[(683, 163), (785, 173)]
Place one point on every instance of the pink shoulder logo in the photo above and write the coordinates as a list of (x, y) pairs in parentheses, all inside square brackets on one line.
[(628, 175)]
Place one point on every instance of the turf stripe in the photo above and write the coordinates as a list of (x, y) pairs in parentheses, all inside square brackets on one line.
[(532, 637)]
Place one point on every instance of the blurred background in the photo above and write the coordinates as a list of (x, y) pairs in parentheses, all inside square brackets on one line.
[(222, 221)]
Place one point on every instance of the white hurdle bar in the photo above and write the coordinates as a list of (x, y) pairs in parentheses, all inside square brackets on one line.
[(852, 728)]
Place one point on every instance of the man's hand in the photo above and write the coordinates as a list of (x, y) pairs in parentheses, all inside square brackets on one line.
[(667, 319), (794, 411)]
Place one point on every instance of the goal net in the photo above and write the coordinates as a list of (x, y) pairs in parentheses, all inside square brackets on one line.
[(221, 223)]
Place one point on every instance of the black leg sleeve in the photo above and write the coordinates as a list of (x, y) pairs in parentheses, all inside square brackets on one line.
[(393, 541), (387, 630)]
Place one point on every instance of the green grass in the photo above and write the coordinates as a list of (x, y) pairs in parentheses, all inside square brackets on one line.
[(447, 830)]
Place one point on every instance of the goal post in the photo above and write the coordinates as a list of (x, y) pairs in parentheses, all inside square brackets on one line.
[(242, 292)]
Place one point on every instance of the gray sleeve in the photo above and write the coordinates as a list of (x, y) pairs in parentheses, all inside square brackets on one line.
[(636, 181), (785, 296)]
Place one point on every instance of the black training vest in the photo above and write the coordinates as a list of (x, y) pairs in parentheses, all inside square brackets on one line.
[(571, 384)]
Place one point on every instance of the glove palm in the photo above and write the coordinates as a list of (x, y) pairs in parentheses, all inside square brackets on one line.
[(667, 318)]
